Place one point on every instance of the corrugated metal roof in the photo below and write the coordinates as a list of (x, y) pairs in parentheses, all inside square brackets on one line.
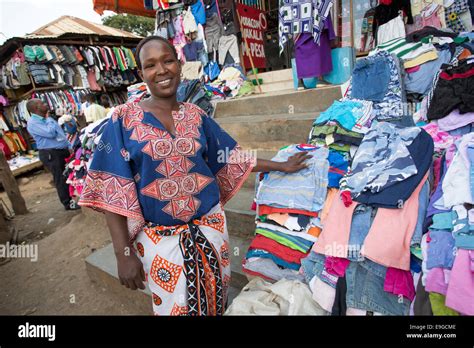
[(73, 25)]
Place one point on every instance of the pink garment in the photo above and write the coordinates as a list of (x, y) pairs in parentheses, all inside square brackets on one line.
[(442, 140), (399, 282), (388, 248), (461, 284), (429, 16), (334, 237), (455, 120), (92, 80), (471, 255), (3, 100), (413, 69), (254, 206), (179, 40), (336, 265), (391, 247), (324, 294), (437, 172), (436, 280), (450, 152), (279, 218)]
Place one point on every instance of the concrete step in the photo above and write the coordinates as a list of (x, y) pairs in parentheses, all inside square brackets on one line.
[(276, 86), (101, 267), (261, 154), (240, 218), (284, 102), (241, 228), (274, 76), (269, 132)]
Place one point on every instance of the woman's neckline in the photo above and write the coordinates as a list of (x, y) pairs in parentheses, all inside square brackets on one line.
[(174, 115)]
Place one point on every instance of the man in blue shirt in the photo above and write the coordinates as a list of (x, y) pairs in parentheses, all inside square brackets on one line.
[(53, 147)]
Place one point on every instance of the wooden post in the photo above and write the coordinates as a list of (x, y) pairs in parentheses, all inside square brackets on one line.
[(4, 230), (11, 187)]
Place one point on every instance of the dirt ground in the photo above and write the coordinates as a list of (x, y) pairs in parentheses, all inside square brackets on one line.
[(64, 239)]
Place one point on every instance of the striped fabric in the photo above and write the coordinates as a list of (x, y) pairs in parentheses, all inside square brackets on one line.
[(405, 50), (293, 242)]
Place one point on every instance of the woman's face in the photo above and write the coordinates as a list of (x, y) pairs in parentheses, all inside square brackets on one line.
[(160, 69)]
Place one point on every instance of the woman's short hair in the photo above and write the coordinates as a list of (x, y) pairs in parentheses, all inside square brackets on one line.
[(152, 38)]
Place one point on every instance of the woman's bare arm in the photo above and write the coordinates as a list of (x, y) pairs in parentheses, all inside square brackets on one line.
[(130, 268), (293, 164)]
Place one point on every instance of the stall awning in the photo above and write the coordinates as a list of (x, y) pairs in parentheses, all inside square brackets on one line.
[(134, 7)]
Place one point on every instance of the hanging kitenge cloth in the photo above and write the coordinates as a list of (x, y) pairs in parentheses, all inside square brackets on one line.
[(302, 16), (171, 188)]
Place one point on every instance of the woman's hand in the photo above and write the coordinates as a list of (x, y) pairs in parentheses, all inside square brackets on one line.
[(131, 272), (130, 268), (295, 162)]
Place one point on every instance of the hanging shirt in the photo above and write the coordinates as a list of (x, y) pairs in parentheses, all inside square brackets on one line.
[(141, 171), (302, 16), (47, 133), (94, 112)]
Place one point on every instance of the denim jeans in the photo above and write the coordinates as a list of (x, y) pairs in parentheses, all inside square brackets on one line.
[(203, 57), (440, 249), (370, 79), (313, 265), (365, 290), (423, 201), (361, 221)]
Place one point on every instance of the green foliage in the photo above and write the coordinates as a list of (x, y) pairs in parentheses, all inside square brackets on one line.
[(138, 25)]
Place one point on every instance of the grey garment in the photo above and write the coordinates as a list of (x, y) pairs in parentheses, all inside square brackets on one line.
[(422, 305), (230, 29), (57, 53), (382, 159), (163, 32), (401, 75), (21, 72), (421, 81), (228, 43), (270, 269), (213, 32)]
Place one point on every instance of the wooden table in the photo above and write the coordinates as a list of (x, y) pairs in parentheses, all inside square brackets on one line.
[(33, 165)]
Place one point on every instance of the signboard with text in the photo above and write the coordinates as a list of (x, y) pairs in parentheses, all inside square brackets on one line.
[(254, 24)]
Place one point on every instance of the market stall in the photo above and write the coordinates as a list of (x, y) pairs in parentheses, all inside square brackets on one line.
[(380, 223), (60, 63)]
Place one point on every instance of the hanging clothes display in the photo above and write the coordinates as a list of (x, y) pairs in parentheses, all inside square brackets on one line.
[(302, 16), (92, 67), (314, 59)]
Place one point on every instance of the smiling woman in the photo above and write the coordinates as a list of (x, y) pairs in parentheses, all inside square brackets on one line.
[(162, 183)]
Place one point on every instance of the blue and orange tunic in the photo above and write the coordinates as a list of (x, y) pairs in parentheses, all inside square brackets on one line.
[(163, 181)]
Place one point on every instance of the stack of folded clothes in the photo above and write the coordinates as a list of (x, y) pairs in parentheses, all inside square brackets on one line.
[(288, 207)]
